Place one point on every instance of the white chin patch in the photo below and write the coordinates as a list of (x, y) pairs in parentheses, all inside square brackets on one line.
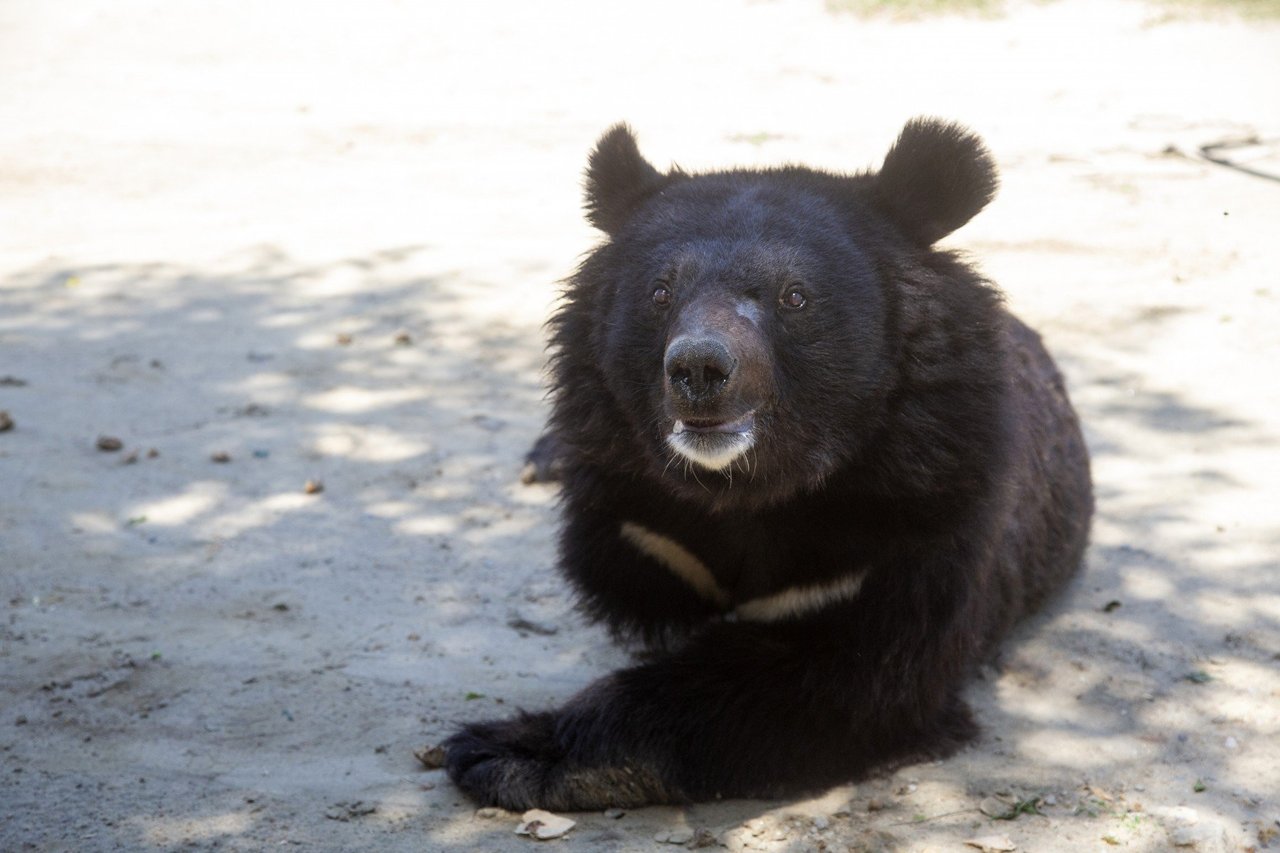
[(714, 451)]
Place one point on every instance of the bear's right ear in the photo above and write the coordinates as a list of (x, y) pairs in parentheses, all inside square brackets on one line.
[(617, 178), (935, 178)]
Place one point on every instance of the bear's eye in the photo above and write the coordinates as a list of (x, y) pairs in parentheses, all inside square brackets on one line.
[(661, 295), (793, 298)]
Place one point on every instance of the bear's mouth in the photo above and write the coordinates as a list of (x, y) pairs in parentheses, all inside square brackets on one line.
[(737, 426), (713, 443)]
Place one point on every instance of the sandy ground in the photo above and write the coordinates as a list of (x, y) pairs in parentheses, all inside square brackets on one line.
[(197, 200)]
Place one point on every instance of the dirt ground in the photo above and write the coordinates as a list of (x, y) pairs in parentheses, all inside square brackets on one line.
[(317, 242)]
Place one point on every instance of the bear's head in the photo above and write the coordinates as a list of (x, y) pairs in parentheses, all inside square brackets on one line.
[(741, 335)]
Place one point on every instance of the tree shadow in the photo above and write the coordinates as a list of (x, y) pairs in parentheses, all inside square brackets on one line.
[(205, 653), (288, 575)]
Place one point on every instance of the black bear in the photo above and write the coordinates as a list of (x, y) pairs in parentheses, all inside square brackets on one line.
[(808, 458)]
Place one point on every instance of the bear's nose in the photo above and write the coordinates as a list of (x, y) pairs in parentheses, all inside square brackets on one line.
[(698, 368)]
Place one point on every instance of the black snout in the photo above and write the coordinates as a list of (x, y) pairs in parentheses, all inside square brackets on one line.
[(698, 368)]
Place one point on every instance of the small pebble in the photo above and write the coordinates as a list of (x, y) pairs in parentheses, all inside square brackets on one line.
[(313, 487), (344, 340), (820, 822), (614, 814), (996, 808), (489, 812), (221, 457), (403, 339), (1231, 743), (679, 835), (704, 838), (6, 422), (432, 757), (109, 443), (153, 453), (875, 804)]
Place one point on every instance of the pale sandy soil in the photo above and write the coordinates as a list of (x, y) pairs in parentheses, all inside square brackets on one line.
[(197, 199)]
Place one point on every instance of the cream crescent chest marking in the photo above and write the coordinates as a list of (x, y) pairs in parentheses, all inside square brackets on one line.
[(799, 600), (788, 603), (678, 559)]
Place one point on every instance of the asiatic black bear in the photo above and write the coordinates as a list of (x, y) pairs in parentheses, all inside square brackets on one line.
[(808, 457)]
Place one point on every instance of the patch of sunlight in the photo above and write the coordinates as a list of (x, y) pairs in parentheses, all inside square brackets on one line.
[(367, 444), (426, 525), (339, 281), (1251, 704), (1048, 708), (1148, 584), (264, 382), (348, 399), (163, 832), (257, 514), (506, 528), (289, 319), (390, 509), (180, 509), (1083, 750)]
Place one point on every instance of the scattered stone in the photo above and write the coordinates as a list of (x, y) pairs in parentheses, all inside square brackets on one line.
[(344, 339), (109, 443), (679, 835), (21, 720), (221, 457), (12, 382), (997, 808), (821, 822), (875, 804), (998, 843), (543, 825), (130, 458), (6, 422), (614, 814), (403, 339), (432, 757), (1208, 836), (153, 453), (313, 487), (1231, 743), (703, 838), (489, 812), (346, 811)]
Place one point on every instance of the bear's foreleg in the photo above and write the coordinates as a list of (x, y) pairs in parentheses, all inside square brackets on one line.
[(743, 710)]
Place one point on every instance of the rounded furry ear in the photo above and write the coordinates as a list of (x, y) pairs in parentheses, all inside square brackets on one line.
[(935, 178), (617, 178)]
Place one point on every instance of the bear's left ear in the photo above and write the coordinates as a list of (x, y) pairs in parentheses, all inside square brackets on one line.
[(935, 178), (617, 178)]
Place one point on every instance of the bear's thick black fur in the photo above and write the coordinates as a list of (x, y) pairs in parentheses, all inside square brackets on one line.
[(810, 459)]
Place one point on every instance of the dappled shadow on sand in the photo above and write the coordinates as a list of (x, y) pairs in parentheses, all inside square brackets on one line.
[(208, 652), (301, 563)]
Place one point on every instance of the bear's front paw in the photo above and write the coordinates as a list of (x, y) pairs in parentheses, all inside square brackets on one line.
[(505, 763)]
